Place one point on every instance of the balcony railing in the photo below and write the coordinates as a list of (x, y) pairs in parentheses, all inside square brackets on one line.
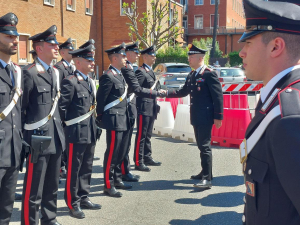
[(209, 31)]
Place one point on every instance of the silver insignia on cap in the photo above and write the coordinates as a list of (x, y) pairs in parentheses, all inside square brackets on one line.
[(288, 90), (270, 27)]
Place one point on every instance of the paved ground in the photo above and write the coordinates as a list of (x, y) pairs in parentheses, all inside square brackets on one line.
[(166, 194)]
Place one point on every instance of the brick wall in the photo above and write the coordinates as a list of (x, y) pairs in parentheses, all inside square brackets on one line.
[(35, 17)]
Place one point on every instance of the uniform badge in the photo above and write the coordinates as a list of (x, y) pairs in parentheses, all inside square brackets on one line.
[(250, 190), (199, 88)]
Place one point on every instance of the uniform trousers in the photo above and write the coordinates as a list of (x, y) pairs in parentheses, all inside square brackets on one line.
[(8, 183), (40, 189), (203, 139), (124, 167), (113, 156), (143, 151), (80, 165)]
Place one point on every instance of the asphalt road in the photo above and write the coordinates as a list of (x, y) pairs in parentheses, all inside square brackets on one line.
[(166, 194)]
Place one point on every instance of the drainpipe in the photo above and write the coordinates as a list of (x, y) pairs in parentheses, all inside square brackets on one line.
[(62, 17)]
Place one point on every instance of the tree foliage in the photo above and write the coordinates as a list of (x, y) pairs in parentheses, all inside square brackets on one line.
[(157, 28), (235, 59)]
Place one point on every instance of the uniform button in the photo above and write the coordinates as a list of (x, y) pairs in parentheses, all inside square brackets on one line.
[(191, 103), (53, 89), (14, 114), (82, 95), (54, 118), (192, 84), (243, 218), (191, 96), (245, 199), (52, 99), (249, 171), (38, 128), (191, 90), (14, 126)]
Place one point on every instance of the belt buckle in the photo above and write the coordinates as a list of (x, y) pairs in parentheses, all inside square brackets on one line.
[(92, 107), (2, 116), (49, 116), (120, 99), (246, 152)]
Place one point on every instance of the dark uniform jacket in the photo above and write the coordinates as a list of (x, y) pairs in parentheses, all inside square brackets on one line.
[(38, 97), (111, 87), (77, 97), (145, 105), (206, 96), (11, 126), (134, 87), (64, 69), (272, 168)]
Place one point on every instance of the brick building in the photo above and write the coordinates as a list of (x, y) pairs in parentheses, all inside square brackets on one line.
[(72, 18), (198, 21), (102, 20)]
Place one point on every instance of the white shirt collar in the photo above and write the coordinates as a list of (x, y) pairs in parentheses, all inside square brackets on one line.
[(118, 71), (4, 64), (83, 75), (67, 62), (148, 67), (198, 70), (269, 86)]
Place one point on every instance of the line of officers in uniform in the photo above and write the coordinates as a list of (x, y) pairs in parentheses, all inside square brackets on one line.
[(47, 109)]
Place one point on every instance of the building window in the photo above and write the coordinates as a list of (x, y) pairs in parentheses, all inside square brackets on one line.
[(183, 2), (212, 2), (212, 20), (71, 5), (23, 49), (129, 9), (199, 2), (184, 23), (198, 22), (89, 7), (49, 2)]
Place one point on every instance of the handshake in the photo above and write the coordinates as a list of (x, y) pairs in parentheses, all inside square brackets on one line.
[(162, 93)]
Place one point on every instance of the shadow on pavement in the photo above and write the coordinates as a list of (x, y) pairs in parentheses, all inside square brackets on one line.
[(228, 181), (224, 218), (227, 199)]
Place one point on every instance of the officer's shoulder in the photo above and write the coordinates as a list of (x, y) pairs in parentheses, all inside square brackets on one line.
[(108, 73), (16, 65), (289, 100), (59, 63)]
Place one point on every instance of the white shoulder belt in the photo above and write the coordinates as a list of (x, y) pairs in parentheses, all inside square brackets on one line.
[(117, 101), (17, 95), (42, 122)]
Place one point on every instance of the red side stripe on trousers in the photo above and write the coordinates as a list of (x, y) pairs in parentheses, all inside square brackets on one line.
[(111, 151), (137, 149), (28, 190), (123, 168), (70, 158)]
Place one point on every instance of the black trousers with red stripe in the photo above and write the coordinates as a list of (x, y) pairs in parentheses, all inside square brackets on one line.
[(40, 189), (79, 166), (124, 168), (113, 156), (143, 151), (8, 183)]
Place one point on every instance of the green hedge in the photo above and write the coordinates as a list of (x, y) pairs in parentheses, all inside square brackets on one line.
[(235, 59)]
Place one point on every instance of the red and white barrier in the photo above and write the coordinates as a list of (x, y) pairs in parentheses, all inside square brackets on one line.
[(228, 87)]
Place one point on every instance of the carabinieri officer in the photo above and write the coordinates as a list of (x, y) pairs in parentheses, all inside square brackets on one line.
[(77, 109), (43, 131), (206, 109), (112, 115), (11, 85), (270, 152)]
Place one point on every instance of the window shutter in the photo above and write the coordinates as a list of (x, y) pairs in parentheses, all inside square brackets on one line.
[(23, 47)]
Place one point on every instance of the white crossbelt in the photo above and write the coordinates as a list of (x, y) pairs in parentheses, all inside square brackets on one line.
[(129, 99), (42, 122), (153, 86), (248, 144), (117, 101), (17, 95), (87, 115)]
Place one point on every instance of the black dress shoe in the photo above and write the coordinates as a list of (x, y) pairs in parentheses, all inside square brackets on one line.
[(112, 192), (18, 197), (130, 177), (87, 204), (203, 184), (63, 172), (199, 176), (76, 212), (121, 185), (96, 158), (143, 167), (56, 223), (152, 162)]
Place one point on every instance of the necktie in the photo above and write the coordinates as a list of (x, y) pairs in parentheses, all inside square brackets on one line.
[(9, 70), (50, 72)]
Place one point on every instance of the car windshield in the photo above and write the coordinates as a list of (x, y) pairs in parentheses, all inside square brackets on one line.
[(232, 73), (179, 69)]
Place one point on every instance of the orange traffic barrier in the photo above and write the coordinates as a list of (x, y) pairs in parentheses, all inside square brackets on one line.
[(235, 101), (233, 129)]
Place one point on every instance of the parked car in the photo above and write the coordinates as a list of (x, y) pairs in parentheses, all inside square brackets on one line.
[(172, 75), (229, 74)]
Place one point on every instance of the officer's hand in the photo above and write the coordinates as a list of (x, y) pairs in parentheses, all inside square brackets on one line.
[(162, 93), (218, 123)]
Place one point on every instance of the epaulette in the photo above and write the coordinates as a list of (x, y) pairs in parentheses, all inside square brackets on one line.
[(31, 66), (208, 69), (110, 72), (289, 100), (69, 77), (16, 64), (59, 63)]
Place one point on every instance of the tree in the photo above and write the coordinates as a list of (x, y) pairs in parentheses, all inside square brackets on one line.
[(158, 27)]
